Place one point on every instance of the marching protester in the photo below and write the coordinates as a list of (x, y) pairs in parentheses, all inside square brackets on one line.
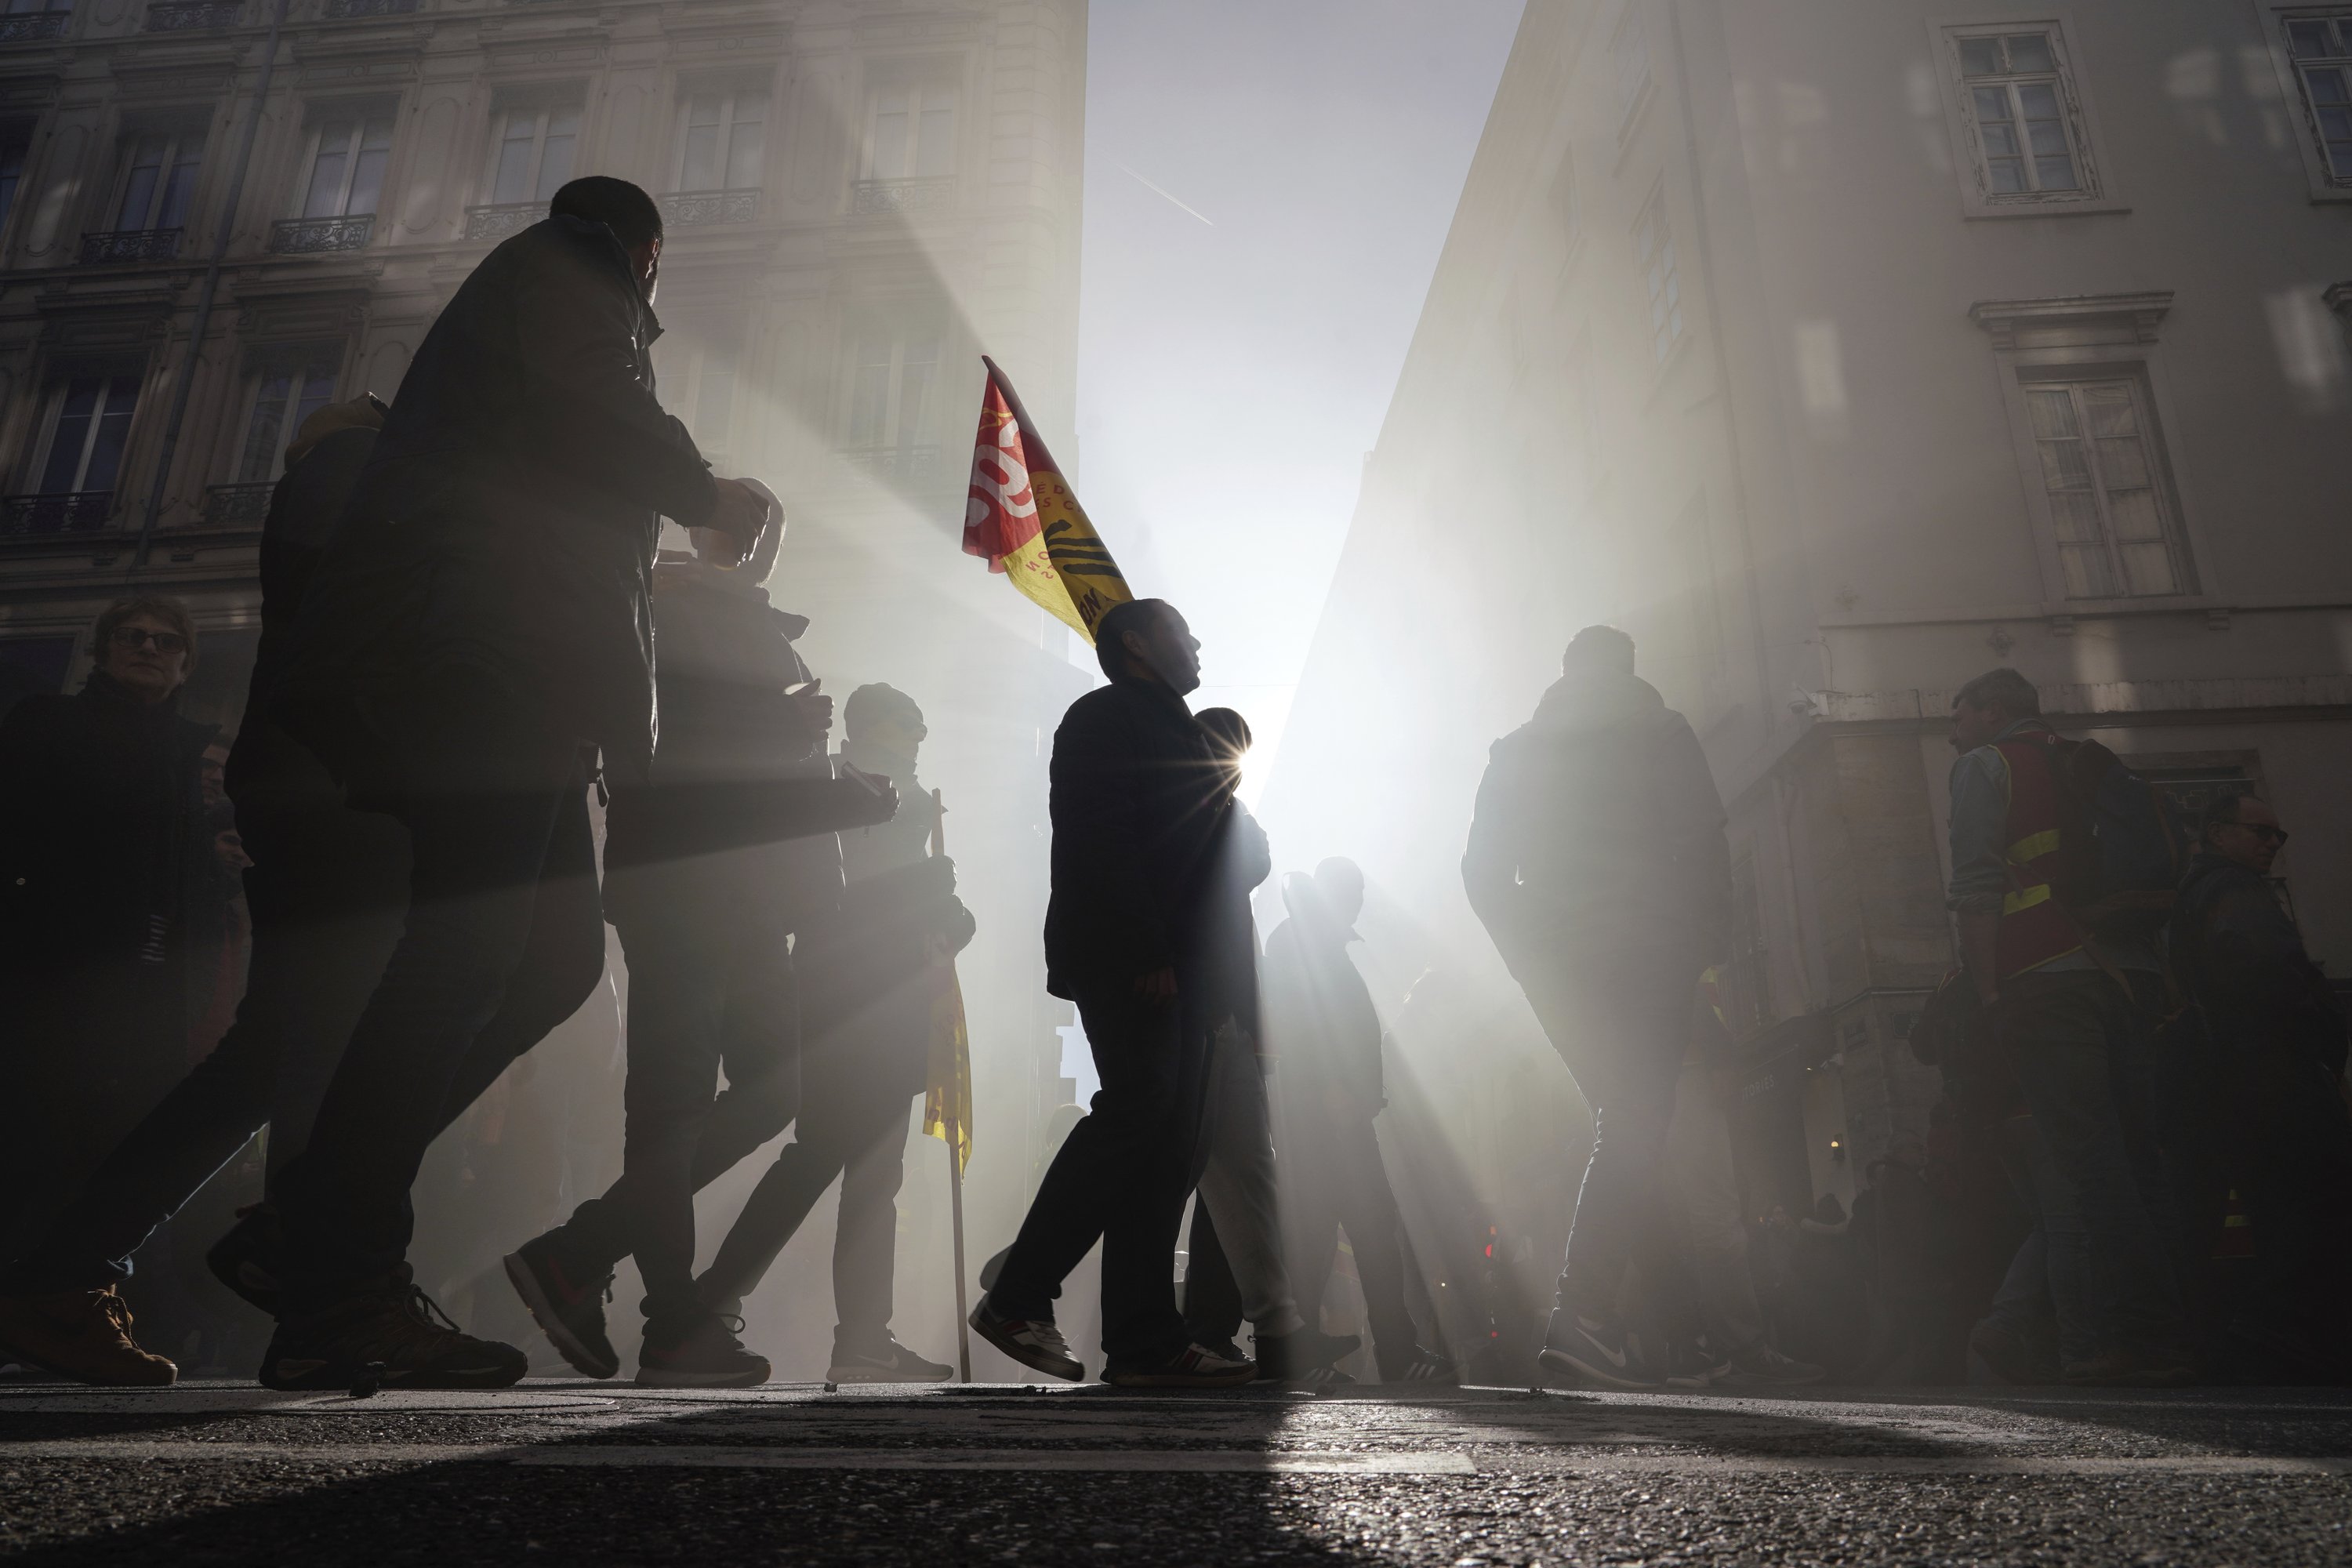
[(2260, 1119), (870, 978), (1598, 863), (1136, 782), (1325, 1033)]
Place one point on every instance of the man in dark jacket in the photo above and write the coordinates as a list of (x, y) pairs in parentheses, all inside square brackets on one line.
[(873, 974), (1136, 820), (706, 905), (2262, 1086), (1325, 1033), (479, 629), (1598, 865)]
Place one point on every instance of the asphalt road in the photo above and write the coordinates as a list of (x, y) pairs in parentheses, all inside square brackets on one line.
[(559, 1472)]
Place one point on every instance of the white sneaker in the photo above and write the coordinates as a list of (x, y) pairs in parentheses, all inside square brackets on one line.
[(1035, 1343)]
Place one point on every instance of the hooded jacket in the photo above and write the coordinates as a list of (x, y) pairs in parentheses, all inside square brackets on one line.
[(1598, 820)]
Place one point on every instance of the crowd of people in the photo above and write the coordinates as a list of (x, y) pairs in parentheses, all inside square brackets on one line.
[(463, 594)]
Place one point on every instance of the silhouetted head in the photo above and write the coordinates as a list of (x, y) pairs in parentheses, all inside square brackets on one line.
[(1146, 639), (634, 218), (1599, 649), (882, 716), (1228, 729), (2240, 825), (1341, 883), (146, 645), (1991, 703)]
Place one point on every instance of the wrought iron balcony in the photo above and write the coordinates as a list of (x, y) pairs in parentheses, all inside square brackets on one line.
[(303, 236), (690, 209), (58, 511), (189, 16), (496, 223), (131, 245), (343, 8), (238, 506), (894, 462), (902, 195), (31, 26)]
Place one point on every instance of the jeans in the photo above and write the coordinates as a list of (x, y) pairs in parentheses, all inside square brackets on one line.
[(857, 1074), (711, 985), (1121, 1176), (2046, 1296), (1237, 1268), (2080, 1049), (503, 884), (1704, 1188), (328, 889), (1620, 1020), (1332, 1178)]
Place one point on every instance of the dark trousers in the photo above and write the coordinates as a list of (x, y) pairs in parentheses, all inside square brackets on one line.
[(711, 986), (1122, 1175), (1212, 1296), (857, 1074), (502, 883), (328, 889), (1623, 1025), (1332, 1178)]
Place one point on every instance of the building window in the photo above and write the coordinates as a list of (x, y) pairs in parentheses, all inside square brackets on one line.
[(698, 379), (23, 21), (16, 142), (348, 156), (91, 427), (1661, 277), (912, 136), (2103, 469), (530, 151), (2321, 48), (893, 385), (284, 396), (159, 178), (2020, 120), (1629, 67), (722, 141)]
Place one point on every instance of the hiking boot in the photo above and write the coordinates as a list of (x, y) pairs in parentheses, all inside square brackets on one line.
[(567, 1303), (1603, 1352), (887, 1362), (1195, 1366), (1422, 1366), (81, 1334), (699, 1352), (248, 1258), (1760, 1365), (1297, 1356), (1035, 1343), (393, 1337)]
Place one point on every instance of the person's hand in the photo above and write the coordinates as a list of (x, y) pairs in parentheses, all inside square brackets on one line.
[(1158, 988), (879, 798), (814, 707), (735, 525)]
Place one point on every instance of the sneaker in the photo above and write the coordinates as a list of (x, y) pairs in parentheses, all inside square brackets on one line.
[(394, 1337), (1603, 1352), (1195, 1366), (1298, 1357), (568, 1307), (888, 1362), (1761, 1365), (81, 1334), (1424, 1366), (1035, 1343), (1696, 1364), (700, 1352), (246, 1258)]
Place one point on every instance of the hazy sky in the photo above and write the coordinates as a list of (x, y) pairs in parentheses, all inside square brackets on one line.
[(1235, 360)]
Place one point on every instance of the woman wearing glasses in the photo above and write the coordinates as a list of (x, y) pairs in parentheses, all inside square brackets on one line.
[(109, 895)]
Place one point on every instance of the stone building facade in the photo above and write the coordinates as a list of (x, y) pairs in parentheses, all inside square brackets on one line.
[(1841, 351)]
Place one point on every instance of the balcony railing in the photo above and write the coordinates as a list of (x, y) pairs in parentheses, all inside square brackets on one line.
[(238, 506), (131, 245), (496, 223), (902, 195), (343, 8), (31, 26), (894, 462), (304, 235), (189, 16), (58, 511), (691, 209)]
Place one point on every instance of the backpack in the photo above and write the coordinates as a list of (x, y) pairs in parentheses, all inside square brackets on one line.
[(2121, 850)]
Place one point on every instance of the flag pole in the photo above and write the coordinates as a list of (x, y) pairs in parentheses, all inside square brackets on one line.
[(955, 1149)]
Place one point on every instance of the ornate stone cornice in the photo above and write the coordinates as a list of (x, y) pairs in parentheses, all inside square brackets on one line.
[(2073, 319)]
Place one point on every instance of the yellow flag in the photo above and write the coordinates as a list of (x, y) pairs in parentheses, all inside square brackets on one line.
[(1022, 519)]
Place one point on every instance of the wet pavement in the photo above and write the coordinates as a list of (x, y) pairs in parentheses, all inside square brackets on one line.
[(606, 1473)]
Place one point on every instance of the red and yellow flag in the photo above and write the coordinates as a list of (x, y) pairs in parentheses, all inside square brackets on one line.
[(1022, 519)]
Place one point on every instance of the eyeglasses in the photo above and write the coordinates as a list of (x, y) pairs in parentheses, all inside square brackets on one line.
[(128, 638), (2262, 830)]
